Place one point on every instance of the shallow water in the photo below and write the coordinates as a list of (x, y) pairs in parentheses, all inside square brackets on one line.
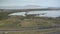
[(55, 13)]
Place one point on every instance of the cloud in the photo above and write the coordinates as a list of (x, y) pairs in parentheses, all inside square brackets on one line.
[(53, 3)]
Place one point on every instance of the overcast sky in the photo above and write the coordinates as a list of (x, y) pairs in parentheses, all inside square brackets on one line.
[(49, 3), (45, 3)]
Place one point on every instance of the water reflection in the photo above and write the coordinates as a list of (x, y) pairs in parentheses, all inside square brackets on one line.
[(55, 13)]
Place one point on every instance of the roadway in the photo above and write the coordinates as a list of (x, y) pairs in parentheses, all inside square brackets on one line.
[(37, 28)]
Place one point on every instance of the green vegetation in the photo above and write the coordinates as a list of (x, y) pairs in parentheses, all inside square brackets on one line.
[(36, 21), (17, 22), (3, 15), (28, 20)]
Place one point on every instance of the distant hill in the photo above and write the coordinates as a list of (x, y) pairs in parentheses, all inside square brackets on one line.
[(20, 7)]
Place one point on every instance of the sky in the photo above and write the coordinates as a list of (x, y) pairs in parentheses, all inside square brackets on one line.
[(45, 3)]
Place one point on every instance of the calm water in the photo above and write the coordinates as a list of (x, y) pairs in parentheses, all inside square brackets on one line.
[(48, 13), (43, 3)]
